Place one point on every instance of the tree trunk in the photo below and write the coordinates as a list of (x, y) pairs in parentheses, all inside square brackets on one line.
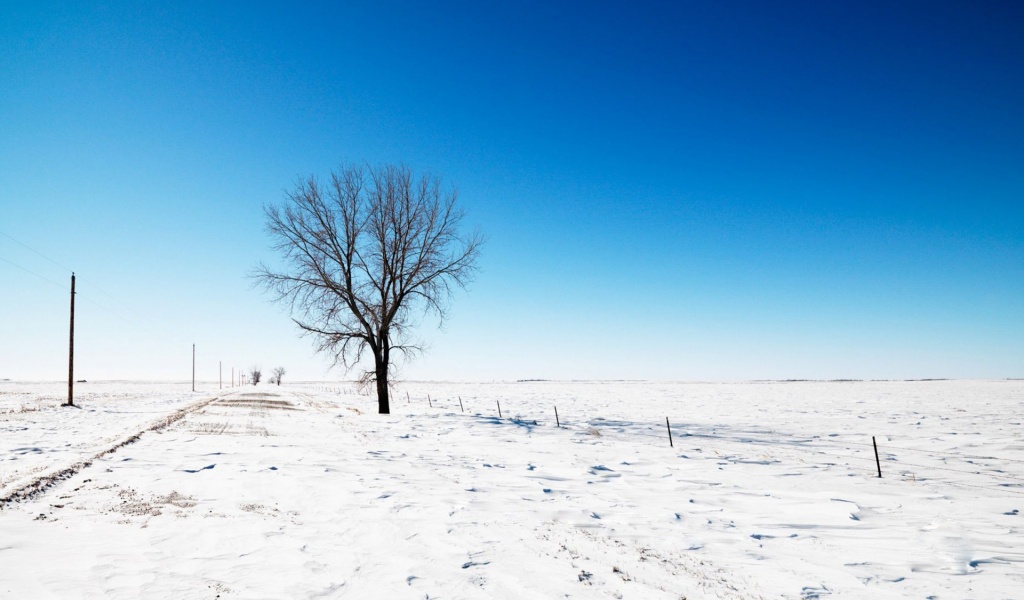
[(383, 406)]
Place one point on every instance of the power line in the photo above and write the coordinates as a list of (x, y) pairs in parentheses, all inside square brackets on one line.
[(65, 288), (69, 269), (115, 304), (34, 273), (119, 310), (31, 249), (133, 318)]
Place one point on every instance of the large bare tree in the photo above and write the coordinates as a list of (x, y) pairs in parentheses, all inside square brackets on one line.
[(365, 254)]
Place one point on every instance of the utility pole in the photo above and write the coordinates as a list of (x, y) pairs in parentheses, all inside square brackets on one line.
[(193, 367), (71, 348)]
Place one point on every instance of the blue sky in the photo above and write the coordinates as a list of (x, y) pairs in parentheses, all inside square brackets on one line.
[(697, 191)]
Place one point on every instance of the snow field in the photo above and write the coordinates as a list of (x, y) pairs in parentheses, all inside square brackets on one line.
[(296, 492)]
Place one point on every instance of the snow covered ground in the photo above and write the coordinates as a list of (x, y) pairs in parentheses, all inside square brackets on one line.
[(302, 491)]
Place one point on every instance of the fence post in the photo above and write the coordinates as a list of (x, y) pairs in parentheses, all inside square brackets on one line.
[(499, 408), (557, 422), (878, 463), (669, 427), (429, 401), (460, 404)]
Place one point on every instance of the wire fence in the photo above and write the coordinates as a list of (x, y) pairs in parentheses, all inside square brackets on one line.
[(774, 447)]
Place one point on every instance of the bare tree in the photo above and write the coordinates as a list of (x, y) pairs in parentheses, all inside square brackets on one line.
[(278, 374), (363, 256), (254, 375)]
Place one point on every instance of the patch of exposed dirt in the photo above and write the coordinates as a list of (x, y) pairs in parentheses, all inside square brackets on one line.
[(203, 428), (134, 504), (259, 509), (259, 403)]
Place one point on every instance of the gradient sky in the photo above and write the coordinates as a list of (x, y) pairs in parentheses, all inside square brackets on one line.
[(670, 190)]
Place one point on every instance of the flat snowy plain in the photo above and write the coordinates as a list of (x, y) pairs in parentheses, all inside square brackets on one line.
[(302, 491)]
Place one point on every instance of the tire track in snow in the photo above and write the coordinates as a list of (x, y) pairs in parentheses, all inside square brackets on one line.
[(41, 484)]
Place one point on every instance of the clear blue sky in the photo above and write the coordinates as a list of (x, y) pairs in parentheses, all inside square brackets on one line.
[(671, 190)]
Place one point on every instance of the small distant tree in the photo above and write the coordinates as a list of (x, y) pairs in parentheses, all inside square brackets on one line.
[(255, 374), (278, 374), (364, 255)]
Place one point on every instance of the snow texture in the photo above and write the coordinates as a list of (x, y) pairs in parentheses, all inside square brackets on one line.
[(302, 491)]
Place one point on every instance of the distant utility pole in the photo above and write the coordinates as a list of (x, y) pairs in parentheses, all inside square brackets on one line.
[(193, 367), (71, 348)]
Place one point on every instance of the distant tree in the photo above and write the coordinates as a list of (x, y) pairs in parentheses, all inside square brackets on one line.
[(278, 374), (363, 256), (255, 374)]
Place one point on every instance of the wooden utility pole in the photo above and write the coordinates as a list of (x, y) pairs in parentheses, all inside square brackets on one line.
[(71, 348), (193, 367)]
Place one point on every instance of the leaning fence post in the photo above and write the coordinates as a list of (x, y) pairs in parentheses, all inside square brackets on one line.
[(557, 422), (878, 463), (460, 404), (429, 401), (499, 408), (669, 427)]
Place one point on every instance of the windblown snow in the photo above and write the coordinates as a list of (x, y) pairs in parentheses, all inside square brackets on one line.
[(770, 490)]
